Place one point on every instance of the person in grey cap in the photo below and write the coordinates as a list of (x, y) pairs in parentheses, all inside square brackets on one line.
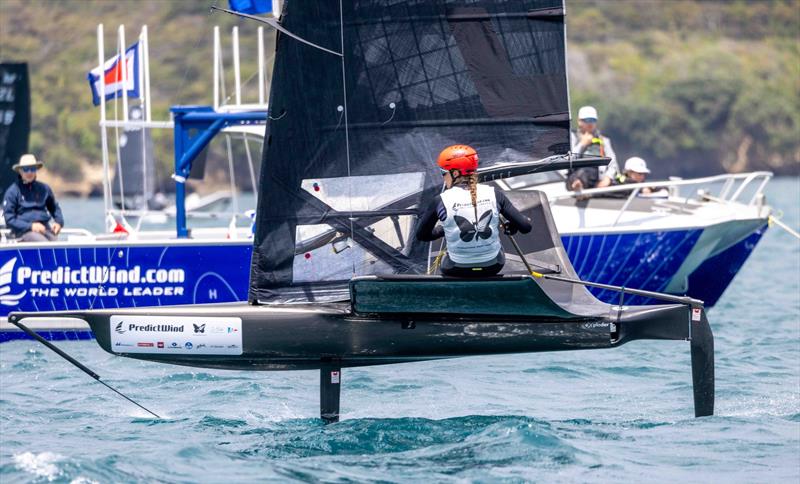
[(30, 208), (588, 141)]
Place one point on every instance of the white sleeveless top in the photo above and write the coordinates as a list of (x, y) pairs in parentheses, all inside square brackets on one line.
[(470, 241)]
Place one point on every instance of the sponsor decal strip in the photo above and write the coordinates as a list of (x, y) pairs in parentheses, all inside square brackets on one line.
[(176, 335)]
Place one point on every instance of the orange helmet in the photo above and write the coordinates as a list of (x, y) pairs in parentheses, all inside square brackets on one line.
[(459, 157)]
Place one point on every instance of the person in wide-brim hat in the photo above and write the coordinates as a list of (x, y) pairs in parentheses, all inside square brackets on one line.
[(30, 208), (27, 161)]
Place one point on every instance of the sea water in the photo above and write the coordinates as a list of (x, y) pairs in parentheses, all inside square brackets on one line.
[(584, 416)]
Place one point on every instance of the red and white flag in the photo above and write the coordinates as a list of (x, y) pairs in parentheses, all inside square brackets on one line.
[(113, 76)]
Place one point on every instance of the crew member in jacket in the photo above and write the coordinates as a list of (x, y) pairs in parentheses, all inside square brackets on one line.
[(589, 142), (470, 218), (29, 207)]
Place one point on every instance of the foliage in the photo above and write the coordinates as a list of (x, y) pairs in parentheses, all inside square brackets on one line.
[(696, 87)]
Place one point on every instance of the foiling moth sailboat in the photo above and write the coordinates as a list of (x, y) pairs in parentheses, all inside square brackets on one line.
[(359, 108)]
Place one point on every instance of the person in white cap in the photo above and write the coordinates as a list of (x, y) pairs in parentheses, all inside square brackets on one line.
[(635, 172), (588, 141), (30, 208)]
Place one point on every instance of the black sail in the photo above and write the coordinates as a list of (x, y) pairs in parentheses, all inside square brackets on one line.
[(351, 144), (134, 180), (15, 118)]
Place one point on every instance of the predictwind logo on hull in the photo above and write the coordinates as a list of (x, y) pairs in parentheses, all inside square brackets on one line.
[(6, 275)]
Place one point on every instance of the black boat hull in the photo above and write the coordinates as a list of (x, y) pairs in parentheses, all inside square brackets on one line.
[(332, 337), (308, 337)]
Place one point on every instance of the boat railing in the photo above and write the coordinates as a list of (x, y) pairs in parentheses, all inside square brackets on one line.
[(732, 189), (200, 215), (6, 235)]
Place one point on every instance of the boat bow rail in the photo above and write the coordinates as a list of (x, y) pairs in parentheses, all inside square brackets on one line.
[(732, 189)]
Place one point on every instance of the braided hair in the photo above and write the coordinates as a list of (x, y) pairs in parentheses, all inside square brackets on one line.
[(473, 189)]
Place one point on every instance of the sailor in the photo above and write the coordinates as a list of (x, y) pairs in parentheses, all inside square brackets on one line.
[(30, 208), (589, 142), (635, 172), (470, 217)]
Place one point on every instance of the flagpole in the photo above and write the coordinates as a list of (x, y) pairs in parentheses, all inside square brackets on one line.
[(236, 73), (123, 62), (216, 68), (144, 115), (103, 135), (146, 74)]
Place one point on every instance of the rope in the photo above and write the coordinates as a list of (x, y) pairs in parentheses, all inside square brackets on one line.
[(437, 262), (773, 220)]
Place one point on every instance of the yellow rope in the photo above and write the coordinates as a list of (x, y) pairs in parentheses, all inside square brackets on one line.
[(436, 262)]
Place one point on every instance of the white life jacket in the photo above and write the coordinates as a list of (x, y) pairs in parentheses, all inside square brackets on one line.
[(471, 242)]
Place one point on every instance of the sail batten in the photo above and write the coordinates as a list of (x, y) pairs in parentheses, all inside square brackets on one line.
[(349, 160)]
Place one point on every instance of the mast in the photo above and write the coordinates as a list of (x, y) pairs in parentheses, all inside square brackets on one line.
[(346, 123)]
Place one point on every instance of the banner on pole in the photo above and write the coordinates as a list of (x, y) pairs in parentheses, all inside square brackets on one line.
[(112, 73)]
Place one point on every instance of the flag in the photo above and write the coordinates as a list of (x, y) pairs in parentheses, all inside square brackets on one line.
[(251, 6), (112, 74)]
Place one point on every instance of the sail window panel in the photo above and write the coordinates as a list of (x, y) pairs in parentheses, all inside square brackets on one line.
[(394, 230), (309, 233), (337, 261), (364, 193)]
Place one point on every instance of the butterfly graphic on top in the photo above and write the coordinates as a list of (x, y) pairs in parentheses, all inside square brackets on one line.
[(199, 328), (470, 231)]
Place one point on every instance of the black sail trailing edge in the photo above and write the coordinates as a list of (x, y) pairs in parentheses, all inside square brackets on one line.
[(352, 139), (15, 118)]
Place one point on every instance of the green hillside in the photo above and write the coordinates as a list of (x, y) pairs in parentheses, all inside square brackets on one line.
[(696, 87)]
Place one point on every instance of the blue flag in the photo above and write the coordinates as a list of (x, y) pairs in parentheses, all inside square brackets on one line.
[(251, 6)]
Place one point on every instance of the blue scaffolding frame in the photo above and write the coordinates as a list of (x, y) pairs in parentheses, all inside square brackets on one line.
[(195, 127)]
